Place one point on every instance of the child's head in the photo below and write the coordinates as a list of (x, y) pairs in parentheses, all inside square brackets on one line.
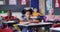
[(9, 13), (51, 11), (23, 11), (35, 9), (27, 14)]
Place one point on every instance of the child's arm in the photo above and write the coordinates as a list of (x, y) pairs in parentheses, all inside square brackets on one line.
[(46, 18), (21, 21), (40, 14)]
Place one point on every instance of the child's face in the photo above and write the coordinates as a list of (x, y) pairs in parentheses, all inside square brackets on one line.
[(9, 13), (51, 11), (27, 14), (35, 10)]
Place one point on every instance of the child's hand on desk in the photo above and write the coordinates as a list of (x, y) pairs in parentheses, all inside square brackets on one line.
[(35, 21), (25, 22)]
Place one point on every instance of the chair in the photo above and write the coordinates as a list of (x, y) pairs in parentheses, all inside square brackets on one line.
[(56, 25)]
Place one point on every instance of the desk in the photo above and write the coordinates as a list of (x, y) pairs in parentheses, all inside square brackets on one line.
[(35, 25), (57, 29), (54, 21), (10, 23)]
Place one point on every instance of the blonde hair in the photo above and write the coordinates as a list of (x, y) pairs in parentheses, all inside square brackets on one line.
[(51, 9)]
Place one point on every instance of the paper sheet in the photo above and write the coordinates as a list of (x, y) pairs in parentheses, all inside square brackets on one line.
[(12, 2), (1, 2)]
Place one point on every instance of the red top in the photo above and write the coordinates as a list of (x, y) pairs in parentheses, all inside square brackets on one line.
[(12, 17), (7, 30)]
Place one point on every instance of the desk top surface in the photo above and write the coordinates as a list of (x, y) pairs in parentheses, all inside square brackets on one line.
[(56, 29), (9, 22), (32, 24)]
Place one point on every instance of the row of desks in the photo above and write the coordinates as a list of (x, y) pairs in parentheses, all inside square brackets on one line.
[(33, 25), (30, 25)]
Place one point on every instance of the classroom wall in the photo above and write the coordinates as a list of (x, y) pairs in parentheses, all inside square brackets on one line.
[(42, 6), (56, 9), (15, 14), (14, 8), (35, 3)]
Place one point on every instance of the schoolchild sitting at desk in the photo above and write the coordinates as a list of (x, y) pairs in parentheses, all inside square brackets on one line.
[(50, 16), (26, 19), (9, 17), (35, 12)]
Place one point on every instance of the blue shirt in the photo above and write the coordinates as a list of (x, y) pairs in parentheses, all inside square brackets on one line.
[(25, 20)]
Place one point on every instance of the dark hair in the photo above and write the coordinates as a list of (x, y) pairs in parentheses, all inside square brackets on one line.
[(36, 8), (29, 11), (24, 11), (9, 11)]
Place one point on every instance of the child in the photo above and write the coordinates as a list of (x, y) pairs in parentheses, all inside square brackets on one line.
[(50, 16), (9, 17), (35, 13), (27, 19)]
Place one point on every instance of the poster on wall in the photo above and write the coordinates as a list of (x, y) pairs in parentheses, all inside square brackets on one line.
[(2, 2), (12, 2), (56, 3), (23, 2), (48, 4)]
